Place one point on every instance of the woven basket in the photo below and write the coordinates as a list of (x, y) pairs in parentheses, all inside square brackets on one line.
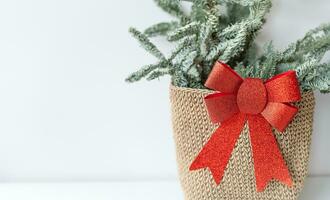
[(192, 129)]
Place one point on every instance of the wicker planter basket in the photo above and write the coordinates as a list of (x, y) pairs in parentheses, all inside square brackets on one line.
[(192, 129)]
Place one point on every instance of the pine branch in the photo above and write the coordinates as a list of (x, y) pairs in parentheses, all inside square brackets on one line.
[(146, 43), (158, 73), (206, 34), (161, 29), (183, 45), (239, 2), (184, 31), (306, 68), (204, 38), (235, 46), (318, 83), (236, 12), (145, 71), (215, 51), (173, 7), (188, 61), (317, 41), (269, 61), (179, 78)]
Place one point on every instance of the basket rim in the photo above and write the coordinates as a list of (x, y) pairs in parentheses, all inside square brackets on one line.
[(187, 89)]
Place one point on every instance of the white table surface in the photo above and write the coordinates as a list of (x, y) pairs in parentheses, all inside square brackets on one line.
[(317, 188)]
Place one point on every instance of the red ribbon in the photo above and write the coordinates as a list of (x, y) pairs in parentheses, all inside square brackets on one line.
[(262, 105)]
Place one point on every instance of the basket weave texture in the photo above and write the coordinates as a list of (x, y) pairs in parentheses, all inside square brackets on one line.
[(192, 129)]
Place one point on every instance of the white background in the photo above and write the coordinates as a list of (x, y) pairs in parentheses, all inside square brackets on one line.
[(66, 113)]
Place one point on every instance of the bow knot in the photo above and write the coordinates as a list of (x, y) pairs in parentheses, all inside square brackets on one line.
[(262, 105)]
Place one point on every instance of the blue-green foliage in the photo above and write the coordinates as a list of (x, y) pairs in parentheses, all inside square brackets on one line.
[(225, 30)]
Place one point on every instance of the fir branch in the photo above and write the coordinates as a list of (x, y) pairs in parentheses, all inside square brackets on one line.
[(179, 78), (146, 43), (194, 77), (315, 41), (158, 73), (314, 76), (318, 83), (207, 34), (239, 2), (183, 45), (184, 31), (319, 47), (251, 57), (306, 68), (215, 51), (204, 38), (198, 11), (235, 45), (269, 61), (188, 61), (236, 12), (145, 71), (172, 7), (311, 35), (213, 20), (161, 29)]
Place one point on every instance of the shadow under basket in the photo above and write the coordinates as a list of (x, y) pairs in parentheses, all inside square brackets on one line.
[(192, 129)]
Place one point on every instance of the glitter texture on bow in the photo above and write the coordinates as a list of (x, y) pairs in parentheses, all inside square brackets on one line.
[(261, 104)]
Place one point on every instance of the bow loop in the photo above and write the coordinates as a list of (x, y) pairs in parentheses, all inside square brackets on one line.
[(223, 79), (283, 88), (279, 115), (221, 106)]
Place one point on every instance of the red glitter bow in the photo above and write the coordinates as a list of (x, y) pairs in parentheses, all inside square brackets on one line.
[(262, 105)]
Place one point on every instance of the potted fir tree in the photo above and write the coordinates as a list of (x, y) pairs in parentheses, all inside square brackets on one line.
[(242, 116)]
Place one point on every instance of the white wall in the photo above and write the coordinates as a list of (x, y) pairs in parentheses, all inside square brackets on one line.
[(67, 114)]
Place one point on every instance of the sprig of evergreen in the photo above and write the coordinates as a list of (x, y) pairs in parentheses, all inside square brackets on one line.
[(207, 34), (146, 43), (172, 7), (161, 29)]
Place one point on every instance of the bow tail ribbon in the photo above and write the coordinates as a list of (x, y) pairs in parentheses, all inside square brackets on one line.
[(217, 151), (268, 161)]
